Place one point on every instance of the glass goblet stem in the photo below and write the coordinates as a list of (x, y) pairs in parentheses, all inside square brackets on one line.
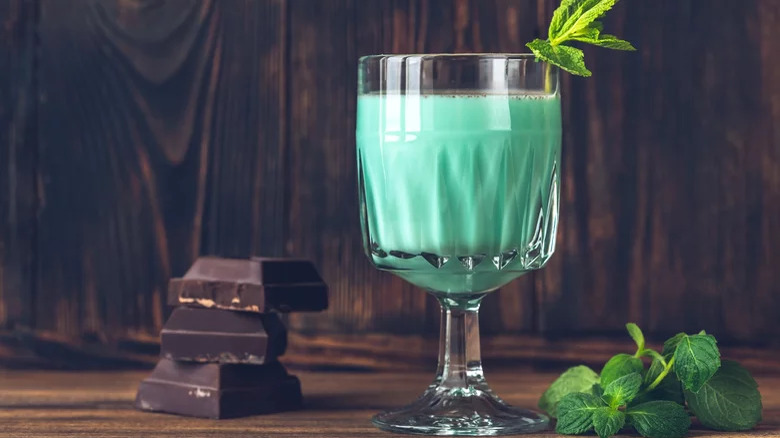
[(460, 363), (459, 401)]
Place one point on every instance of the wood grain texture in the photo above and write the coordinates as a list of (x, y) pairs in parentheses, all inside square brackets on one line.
[(321, 160), (122, 158), (764, 178), (670, 199), (390, 352), (246, 205), (357, 352), (18, 108), (25, 349), (160, 132), (335, 405)]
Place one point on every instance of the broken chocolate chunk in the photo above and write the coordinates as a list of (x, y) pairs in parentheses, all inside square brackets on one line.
[(211, 335), (255, 285), (218, 390)]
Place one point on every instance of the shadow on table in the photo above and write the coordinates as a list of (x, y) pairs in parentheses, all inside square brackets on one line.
[(108, 404), (350, 402)]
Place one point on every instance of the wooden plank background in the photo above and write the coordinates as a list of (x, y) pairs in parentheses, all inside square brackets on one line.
[(18, 200), (137, 134)]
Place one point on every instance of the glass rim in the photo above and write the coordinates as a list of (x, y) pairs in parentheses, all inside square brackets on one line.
[(508, 56)]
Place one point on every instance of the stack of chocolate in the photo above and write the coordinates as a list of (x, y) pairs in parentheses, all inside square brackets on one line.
[(220, 347)]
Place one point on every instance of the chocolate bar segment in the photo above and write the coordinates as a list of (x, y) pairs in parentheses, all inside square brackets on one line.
[(218, 390), (287, 271), (211, 335), (256, 285)]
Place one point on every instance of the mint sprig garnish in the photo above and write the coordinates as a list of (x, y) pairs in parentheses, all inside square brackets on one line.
[(653, 401), (576, 20)]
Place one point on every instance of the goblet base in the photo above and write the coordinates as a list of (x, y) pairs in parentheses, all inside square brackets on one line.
[(461, 411)]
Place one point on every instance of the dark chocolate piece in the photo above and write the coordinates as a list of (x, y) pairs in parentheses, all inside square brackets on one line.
[(256, 285), (211, 335), (218, 390)]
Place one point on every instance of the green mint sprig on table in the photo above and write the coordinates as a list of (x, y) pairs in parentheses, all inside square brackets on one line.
[(686, 378), (576, 20)]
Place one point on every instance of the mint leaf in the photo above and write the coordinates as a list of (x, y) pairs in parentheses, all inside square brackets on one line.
[(575, 413), (575, 379), (659, 419), (623, 390), (592, 10), (592, 31), (636, 334), (563, 16), (728, 401), (607, 41), (608, 421), (671, 344), (568, 58), (655, 370), (697, 358), (576, 16), (620, 365)]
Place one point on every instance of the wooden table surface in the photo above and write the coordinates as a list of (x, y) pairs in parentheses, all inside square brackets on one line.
[(99, 404)]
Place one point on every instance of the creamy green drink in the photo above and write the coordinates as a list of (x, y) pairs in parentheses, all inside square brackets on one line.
[(459, 192)]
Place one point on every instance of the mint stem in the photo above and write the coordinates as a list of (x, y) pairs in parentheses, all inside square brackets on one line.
[(651, 354), (661, 376)]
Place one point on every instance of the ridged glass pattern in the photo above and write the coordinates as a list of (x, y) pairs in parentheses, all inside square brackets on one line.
[(459, 193)]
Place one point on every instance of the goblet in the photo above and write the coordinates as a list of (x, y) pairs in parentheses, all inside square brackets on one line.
[(458, 168)]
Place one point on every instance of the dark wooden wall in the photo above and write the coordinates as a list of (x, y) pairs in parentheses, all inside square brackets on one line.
[(136, 134)]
